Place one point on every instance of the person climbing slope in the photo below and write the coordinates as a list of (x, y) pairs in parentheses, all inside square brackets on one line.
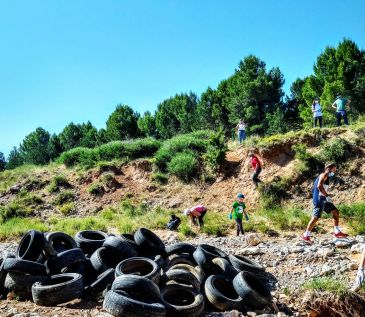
[(237, 212), (323, 202), (257, 167)]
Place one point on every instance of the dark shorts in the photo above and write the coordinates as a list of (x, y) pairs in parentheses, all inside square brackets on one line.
[(323, 205)]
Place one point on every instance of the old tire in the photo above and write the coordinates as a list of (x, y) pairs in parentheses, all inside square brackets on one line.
[(180, 259), (223, 267), (181, 301), (243, 263), (90, 240), (64, 259), (204, 255), (21, 284), (119, 247), (57, 242), (102, 282), (179, 248), (31, 245), (139, 266), (183, 277), (128, 237), (24, 266), (192, 269), (58, 289), (148, 243), (253, 292)]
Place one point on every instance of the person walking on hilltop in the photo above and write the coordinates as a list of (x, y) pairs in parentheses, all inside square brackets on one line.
[(257, 167), (317, 113), (196, 215), (340, 105), (237, 212), (241, 130), (323, 202), (360, 276)]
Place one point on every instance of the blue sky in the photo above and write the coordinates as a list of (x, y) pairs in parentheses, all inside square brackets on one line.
[(75, 60)]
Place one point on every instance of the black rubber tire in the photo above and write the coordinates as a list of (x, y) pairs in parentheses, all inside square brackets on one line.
[(102, 259), (118, 304), (3, 290), (139, 266), (21, 284), (192, 269), (102, 282), (181, 301), (120, 247), (58, 289), (41, 259), (179, 248), (57, 242), (183, 277), (223, 267), (78, 268), (128, 237), (31, 245), (64, 259), (90, 240), (148, 243), (204, 255), (252, 290), (24, 266), (138, 287), (181, 259), (242, 263), (90, 274)]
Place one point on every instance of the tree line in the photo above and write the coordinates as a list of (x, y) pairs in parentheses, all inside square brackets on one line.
[(252, 93)]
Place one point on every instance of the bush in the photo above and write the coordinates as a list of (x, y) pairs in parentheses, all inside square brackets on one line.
[(96, 189), (160, 178), (309, 164), (64, 197), (184, 165), (68, 208), (327, 284), (58, 182), (106, 178), (354, 215), (79, 156), (274, 192), (336, 150), (216, 151), (14, 209)]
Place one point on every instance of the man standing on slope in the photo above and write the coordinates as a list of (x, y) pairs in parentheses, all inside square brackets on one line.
[(322, 202), (257, 167)]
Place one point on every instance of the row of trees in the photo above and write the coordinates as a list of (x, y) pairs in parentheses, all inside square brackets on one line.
[(253, 93)]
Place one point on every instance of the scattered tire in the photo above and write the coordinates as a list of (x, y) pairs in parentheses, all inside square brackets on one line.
[(139, 266), (192, 269), (148, 243), (57, 242), (119, 247), (78, 268), (223, 267), (179, 248), (103, 260), (21, 283), (31, 245), (181, 301), (221, 293), (102, 282), (183, 277), (58, 289), (90, 240), (204, 255), (24, 266), (119, 304), (181, 259), (64, 259), (252, 290), (242, 263), (128, 237)]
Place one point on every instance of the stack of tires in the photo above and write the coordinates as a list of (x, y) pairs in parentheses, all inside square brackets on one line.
[(136, 274)]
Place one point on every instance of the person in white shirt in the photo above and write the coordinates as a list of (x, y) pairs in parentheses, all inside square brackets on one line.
[(241, 128), (317, 113)]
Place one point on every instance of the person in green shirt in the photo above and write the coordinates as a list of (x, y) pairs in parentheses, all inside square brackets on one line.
[(340, 106), (237, 212)]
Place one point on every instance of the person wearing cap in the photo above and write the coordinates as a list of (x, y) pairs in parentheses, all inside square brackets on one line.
[(257, 167), (323, 202), (196, 215), (237, 212), (317, 113), (360, 276), (340, 105)]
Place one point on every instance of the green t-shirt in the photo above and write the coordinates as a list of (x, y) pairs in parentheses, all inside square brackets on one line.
[(340, 104), (238, 209)]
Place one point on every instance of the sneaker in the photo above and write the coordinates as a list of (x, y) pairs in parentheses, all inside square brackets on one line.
[(341, 235), (360, 277), (307, 240)]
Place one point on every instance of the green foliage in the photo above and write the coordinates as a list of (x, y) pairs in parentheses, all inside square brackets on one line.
[(106, 178), (122, 124), (354, 216), (216, 224), (147, 125), (16, 208), (16, 227), (185, 231), (96, 189), (2, 162), (184, 165), (72, 225), (67, 209), (274, 192), (216, 151), (58, 182), (308, 164), (15, 159), (160, 178), (336, 150), (64, 197), (176, 115), (327, 284)]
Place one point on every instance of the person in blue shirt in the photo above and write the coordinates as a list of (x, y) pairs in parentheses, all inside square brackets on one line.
[(340, 106)]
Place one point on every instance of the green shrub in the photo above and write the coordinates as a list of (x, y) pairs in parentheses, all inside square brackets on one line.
[(216, 151), (64, 197), (308, 164), (274, 192), (68, 209), (327, 284), (184, 165), (79, 156), (159, 178), (336, 150), (354, 215), (185, 231), (16, 227), (96, 189), (15, 209), (106, 178), (57, 182)]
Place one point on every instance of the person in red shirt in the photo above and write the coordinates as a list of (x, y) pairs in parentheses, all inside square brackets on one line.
[(196, 215), (257, 167)]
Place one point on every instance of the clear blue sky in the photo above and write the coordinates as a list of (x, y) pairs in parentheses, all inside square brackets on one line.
[(73, 60)]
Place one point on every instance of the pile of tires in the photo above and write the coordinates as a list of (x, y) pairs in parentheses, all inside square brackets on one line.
[(136, 275)]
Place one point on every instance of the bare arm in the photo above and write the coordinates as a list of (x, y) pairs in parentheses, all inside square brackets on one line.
[(334, 105), (320, 185)]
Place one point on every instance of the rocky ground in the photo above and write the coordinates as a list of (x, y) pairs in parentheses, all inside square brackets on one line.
[(289, 262)]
